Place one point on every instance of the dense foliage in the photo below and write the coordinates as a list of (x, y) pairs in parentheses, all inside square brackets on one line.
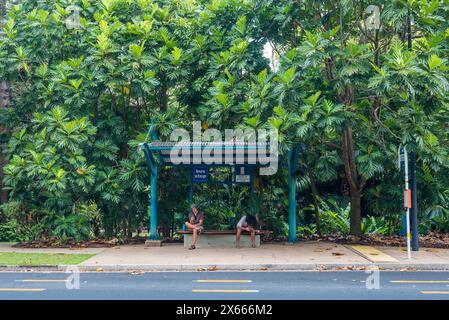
[(82, 96)]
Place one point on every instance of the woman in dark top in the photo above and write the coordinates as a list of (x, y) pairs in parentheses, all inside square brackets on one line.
[(195, 223)]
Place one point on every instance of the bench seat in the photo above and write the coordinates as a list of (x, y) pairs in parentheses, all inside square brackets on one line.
[(219, 232), (221, 238)]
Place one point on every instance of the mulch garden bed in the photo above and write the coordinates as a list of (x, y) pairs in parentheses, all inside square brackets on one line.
[(53, 243), (433, 240)]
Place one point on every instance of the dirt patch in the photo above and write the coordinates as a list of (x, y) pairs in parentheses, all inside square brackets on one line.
[(100, 243), (433, 240)]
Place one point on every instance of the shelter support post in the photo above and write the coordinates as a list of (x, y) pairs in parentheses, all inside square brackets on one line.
[(153, 204), (190, 188), (292, 167), (153, 166)]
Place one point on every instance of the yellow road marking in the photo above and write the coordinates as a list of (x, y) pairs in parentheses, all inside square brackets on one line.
[(223, 281), (43, 280), (222, 291), (373, 254), (21, 290), (419, 281), (435, 292)]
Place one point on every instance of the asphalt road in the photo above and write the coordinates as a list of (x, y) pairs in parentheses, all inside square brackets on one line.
[(346, 285)]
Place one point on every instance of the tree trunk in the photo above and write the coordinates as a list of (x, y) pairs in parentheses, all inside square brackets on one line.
[(163, 95), (356, 218), (315, 201), (4, 103), (356, 182), (3, 193), (130, 223)]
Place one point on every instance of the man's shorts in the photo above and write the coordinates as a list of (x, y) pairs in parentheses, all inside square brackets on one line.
[(200, 229)]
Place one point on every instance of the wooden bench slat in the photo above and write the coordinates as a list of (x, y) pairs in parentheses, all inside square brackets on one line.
[(221, 232)]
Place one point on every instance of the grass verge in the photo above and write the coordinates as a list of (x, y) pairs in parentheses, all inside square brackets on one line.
[(39, 259)]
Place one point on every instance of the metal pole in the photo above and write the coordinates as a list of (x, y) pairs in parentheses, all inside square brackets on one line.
[(251, 190), (153, 204), (407, 206), (291, 198), (191, 187), (414, 220)]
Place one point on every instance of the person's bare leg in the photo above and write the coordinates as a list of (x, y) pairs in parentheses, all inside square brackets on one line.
[(194, 232), (237, 238), (253, 238), (195, 236)]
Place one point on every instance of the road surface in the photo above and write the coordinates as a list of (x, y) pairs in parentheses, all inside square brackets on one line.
[(346, 285)]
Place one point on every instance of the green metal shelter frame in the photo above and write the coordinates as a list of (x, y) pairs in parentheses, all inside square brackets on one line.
[(157, 154)]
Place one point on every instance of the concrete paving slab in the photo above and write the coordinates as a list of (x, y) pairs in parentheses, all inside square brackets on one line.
[(173, 254), (423, 256)]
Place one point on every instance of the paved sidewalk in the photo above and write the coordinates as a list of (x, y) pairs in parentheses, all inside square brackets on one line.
[(268, 255), (300, 256)]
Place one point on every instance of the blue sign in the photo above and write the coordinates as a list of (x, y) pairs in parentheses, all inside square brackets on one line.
[(200, 174)]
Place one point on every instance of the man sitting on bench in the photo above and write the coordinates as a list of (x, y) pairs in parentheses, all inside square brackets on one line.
[(196, 219), (247, 223)]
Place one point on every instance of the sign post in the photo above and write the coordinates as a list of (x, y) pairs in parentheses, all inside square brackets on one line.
[(241, 176), (403, 161)]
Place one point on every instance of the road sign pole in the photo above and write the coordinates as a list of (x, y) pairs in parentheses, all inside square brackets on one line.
[(415, 240), (403, 159), (414, 216), (407, 203)]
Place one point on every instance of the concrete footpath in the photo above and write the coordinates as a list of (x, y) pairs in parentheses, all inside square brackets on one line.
[(305, 256)]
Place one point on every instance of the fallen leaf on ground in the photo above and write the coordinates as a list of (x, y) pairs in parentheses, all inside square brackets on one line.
[(321, 267), (351, 268), (407, 269), (99, 269), (136, 272), (213, 268)]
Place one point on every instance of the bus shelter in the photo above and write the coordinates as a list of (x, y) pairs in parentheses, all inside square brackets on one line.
[(159, 154)]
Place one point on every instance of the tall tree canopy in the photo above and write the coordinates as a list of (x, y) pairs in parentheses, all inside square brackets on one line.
[(82, 93)]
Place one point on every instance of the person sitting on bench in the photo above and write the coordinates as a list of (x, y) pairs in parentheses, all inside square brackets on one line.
[(247, 223), (195, 223)]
